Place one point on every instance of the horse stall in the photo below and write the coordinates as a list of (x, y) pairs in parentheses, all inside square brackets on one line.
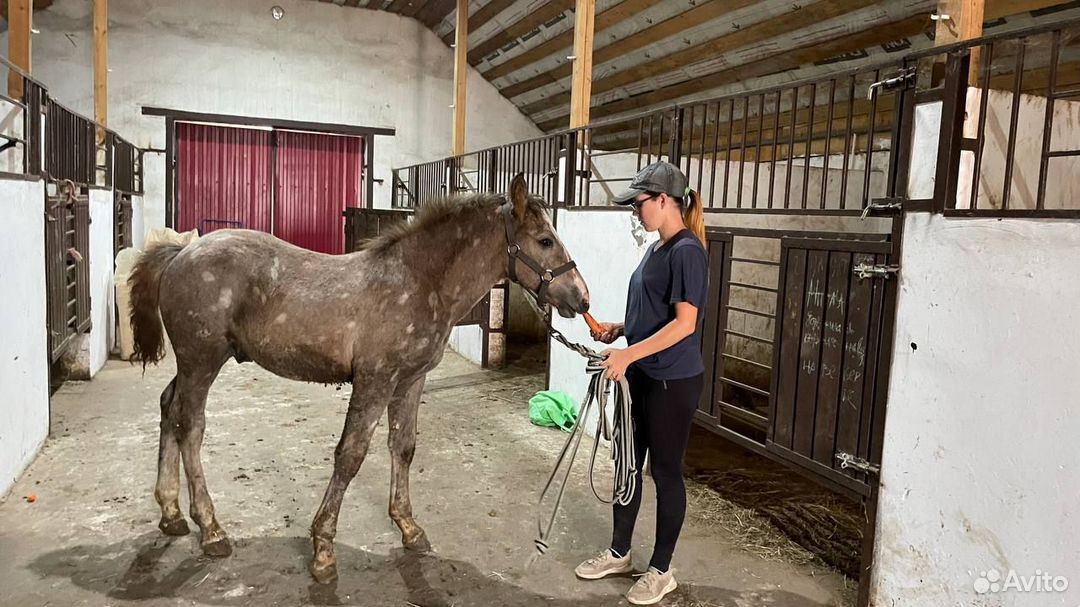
[(892, 212)]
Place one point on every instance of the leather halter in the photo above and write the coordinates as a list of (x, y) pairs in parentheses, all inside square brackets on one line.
[(515, 253)]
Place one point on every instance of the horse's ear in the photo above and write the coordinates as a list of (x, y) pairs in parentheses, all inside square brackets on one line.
[(519, 194)]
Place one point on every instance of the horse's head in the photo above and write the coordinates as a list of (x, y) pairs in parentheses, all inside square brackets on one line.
[(537, 258)]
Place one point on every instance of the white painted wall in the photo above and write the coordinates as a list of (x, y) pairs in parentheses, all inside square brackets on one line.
[(102, 293), (321, 63), (607, 246), (468, 341), (24, 358), (979, 468)]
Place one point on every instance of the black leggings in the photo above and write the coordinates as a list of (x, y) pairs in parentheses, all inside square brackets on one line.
[(662, 414)]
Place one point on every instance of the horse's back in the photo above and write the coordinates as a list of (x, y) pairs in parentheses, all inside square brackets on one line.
[(295, 312)]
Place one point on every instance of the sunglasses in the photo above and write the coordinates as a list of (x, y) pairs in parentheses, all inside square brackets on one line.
[(637, 204)]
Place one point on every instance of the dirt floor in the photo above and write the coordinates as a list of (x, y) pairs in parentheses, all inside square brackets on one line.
[(90, 538)]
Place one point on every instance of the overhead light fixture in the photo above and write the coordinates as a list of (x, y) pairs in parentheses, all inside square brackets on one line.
[(277, 12), (35, 30)]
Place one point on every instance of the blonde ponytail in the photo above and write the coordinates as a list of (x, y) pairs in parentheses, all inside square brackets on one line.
[(693, 216)]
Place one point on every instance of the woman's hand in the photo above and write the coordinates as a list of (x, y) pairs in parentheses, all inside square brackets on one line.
[(609, 332), (616, 360)]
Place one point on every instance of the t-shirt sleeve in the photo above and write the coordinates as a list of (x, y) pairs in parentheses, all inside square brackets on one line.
[(689, 276)]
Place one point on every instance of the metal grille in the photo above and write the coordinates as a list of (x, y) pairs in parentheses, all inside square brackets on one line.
[(67, 268), (1015, 101), (127, 166), (70, 147), (121, 221)]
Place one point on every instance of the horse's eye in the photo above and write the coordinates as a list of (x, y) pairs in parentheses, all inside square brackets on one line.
[(547, 243)]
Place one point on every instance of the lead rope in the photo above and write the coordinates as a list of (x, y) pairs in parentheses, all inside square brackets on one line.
[(620, 432)]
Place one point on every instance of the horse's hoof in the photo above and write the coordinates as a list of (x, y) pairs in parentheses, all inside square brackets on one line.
[(323, 574), (217, 548), (419, 543), (175, 527)]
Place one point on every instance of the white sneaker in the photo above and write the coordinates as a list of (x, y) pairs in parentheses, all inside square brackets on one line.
[(603, 565), (652, 587)]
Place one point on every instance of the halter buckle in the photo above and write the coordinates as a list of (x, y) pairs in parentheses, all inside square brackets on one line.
[(513, 250), (547, 276)]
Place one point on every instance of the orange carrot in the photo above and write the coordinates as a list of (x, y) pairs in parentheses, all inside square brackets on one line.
[(594, 327)]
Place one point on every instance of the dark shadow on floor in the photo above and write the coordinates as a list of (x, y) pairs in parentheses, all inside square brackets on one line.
[(272, 570)]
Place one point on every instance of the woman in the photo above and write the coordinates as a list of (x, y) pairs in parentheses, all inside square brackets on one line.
[(663, 366)]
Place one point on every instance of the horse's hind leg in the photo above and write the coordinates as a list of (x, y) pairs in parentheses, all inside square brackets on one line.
[(193, 386), (167, 491), (365, 408), (402, 441)]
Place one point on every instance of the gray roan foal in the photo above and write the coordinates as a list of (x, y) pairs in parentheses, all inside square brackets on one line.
[(378, 319)]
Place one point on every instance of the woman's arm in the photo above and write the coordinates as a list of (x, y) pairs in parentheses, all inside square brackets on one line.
[(670, 334)]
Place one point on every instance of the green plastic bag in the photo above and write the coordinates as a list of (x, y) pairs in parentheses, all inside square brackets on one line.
[(553, 409)]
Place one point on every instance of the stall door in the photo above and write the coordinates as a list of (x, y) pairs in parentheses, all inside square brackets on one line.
[(295, 185), (223, 178), (317, 177)]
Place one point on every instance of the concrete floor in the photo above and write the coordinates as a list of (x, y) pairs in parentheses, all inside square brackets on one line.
[(91, 538)]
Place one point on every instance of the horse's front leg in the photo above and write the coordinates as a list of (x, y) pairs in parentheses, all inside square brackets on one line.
[(365, 409), (402, 413)]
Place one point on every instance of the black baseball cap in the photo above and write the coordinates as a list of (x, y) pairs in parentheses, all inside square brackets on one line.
[(659, 177)]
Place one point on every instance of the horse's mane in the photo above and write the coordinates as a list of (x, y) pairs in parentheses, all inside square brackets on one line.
[(438, 211)]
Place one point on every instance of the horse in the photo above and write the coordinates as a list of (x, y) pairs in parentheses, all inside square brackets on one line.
[(378, 319)]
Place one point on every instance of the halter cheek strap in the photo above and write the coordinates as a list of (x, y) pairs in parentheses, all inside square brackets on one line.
[(516, 254)]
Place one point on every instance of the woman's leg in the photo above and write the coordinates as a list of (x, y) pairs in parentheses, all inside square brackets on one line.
[(642, 388), (668, 419)]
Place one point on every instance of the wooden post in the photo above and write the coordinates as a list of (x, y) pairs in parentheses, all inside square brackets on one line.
[(101, 66), (581, 91), (964, 22), (19, 20), (461, 73)]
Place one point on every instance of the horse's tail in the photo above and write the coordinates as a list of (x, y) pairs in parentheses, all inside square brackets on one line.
[(145, 293)]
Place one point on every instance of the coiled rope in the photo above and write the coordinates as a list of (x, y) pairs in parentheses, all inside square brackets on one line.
[(619, 431)]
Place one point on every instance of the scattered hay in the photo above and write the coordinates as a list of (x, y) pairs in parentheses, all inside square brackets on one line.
[(756, 533), (820, 522), (752, 532)]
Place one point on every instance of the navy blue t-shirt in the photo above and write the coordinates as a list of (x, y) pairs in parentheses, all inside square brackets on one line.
[(676, 271)]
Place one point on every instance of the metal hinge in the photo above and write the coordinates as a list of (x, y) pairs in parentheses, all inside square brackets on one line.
[(903, 79), (848, 460), (883, 204), (867, 270)]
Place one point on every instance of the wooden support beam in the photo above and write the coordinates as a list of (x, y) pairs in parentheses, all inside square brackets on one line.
[(435, 12), (413, 7), (625, 135), (461, 74), (101, 65), (965, 20), (665, 29), (786, 60), (609, 18), (729, 41), (519, 28), (790, 59), (398, 6), (482, 16), (960, 20), (581, 91), (20, 15)]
